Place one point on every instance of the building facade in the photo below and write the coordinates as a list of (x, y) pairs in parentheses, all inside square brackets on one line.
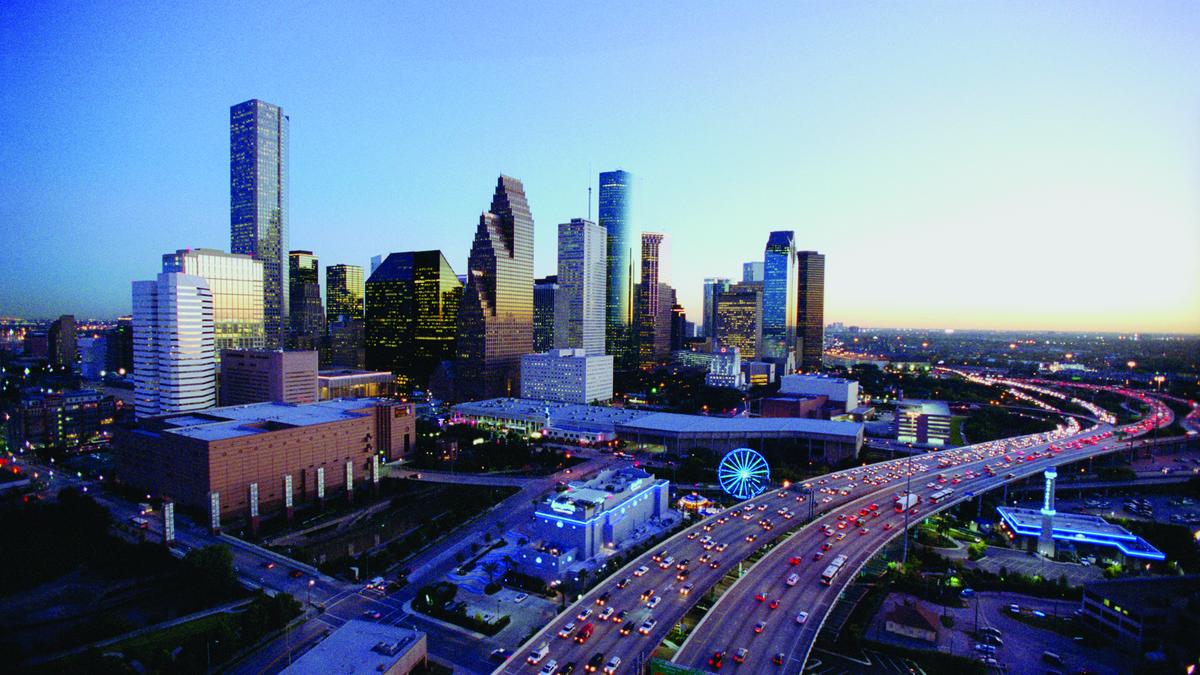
[(651, 346), (262, 376), (349, 383), (810, 318), (923, 422), (243, 462), (779, 297), (236, 283), (713, 288), (413, 303), (545, 292), (63, 342), (347, 343), (307, 313), (567, 376), (739, 319), (66, 419), (752, 271), (615, 204), (579, 308), (495, 317), (174, 345), (258, 200), (344, 291)]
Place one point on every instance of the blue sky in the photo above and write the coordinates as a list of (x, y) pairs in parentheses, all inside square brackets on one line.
[(1026, 165)]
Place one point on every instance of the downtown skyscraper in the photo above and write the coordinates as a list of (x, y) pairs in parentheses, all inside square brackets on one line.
[(779, 284), (344, 291), (236, 284), (713, 288), (579, 309), (258, 202), (304, 300), (810, 309), (615, 202), (174, 347), (545, 294), (495, 317), (652, 340)]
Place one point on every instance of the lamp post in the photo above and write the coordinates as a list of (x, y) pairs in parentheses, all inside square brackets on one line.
[(1131, 364)]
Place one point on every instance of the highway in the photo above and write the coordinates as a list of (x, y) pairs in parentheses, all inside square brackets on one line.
[(784, 643), (833, 495)]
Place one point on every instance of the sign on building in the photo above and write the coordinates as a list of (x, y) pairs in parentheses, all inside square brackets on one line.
[(214, 505), (168, 514), (254, 500), (287, 490), (320, 482)]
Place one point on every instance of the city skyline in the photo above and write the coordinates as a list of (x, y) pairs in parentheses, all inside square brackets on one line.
[(982, 150)]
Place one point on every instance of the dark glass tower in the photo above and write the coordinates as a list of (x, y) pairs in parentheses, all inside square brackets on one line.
[(810, 316), (651, 342), (545, 294), (344, 291), (412, 305), (495, 318), (779, 296), (258, 201), (614, 218), (304, 299)]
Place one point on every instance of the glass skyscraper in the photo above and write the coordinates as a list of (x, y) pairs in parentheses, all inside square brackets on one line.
[(545, 293), (739, 319), (615, 187), (344, 291), (713, 287), (810, 310), (235, 283), (579, 309), (650, 305), (779, 297), (304, 291), (412, 306), (496, 314), (258, 201)]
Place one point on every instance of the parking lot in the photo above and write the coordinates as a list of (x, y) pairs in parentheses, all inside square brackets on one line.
[(1021, 562)]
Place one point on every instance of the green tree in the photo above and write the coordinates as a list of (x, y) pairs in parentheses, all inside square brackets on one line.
[(209, 572)]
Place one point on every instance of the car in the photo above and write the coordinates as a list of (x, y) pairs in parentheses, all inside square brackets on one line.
[(612, 665), (887, 526), (1039, 613), (371, 614), (794, 560), (760, 627), (864, 530), (269, 565), (538, 653), (626, 629), (740, 655), (686, 588), (567, 669), (641, 571), (826, 546), (720, 548), (717, 659), (606, 613), (841, 536), (792, 579), (761, 596), (647, 594), (623, 583), (714, 564), (584, 614), (704, 558), (709, 545), (681, 576), (657, 557), (295, 574), (819, 554), (647, 626), (500, 654), (692, 535), (774, 604), (654, 602), (802, 617), (551, 668), (602, 599), (1014, 608), (595, 662), (750, 538), (566, 630)]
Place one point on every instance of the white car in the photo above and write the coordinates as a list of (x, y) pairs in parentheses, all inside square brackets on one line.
[(606, 613), (584, 614), (641, 571), (612, 665), (567, 630), (647, 626), (654, 602), (802, 617), (550, 668)]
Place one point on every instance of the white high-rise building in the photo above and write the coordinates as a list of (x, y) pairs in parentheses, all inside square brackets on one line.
[(174, 352), (579, 304), (567, 376), (236, 282)]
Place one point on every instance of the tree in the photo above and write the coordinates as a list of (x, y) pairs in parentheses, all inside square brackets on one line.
[(491, 567)]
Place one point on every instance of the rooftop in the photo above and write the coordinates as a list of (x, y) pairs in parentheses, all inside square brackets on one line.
[(922, 407), (357, 647), (217, 424), (913, 616), (1147, 592), (1080, 527), (696, 424), (352, 372)]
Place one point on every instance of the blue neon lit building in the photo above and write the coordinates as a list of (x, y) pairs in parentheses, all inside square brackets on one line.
[(779, 296), (574, 526), (615, 189), (1078, 530)]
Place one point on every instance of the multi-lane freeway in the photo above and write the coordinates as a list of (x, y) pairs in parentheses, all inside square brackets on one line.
[(731, 624)]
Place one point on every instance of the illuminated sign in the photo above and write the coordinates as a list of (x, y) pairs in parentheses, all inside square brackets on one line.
[(168, 522), (375, 469), (635, 484), (287, 490), (562, 507), (349, 476), (320, 482), (214, 504)]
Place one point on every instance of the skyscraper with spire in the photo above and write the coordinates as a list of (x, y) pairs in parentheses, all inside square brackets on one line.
[(258, 204), (495, 317)]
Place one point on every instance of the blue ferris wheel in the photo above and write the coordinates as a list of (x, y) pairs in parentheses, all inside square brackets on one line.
[(743, 473)]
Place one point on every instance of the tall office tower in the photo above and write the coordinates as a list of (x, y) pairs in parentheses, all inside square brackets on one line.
[(347, 343), (739, 319), (779, 298), (579, 308), (235, 283), (752, 271), (119, 347), (679, 327), (654, 263), (615, 202), (412, 304), (174, 359), (495, 318), (713, 287), (662, 322), (344, 291), (308, 316), (62, 342), (810, 309), (545, 292), (258, 201)]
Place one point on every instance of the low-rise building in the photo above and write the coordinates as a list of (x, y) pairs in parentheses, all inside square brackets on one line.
[(725, 368), (911, 620), (353, 383), (922, 422), (256, 376), (1144, 613), (567, 376), (364, 648), (1083, 532), (66, 419), (251, 460), (835, 389)]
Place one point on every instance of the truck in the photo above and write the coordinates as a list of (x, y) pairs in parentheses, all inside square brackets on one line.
[(906, 501)]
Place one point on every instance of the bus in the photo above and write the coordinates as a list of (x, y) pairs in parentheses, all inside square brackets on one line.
[(833, 570), (940, 495)]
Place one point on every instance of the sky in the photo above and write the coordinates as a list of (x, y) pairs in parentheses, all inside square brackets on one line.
[(1026, 165)]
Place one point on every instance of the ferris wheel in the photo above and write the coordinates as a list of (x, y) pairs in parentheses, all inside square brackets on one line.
[(743, 473)]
